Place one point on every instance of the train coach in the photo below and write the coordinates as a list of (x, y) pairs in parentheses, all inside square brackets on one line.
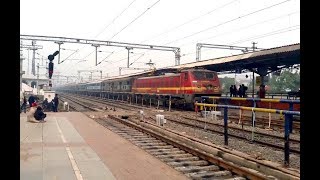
[(182, 88)]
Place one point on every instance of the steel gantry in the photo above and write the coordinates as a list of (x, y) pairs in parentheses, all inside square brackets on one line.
[(32, 47), (97, 43), (217, 46), (91, 71)]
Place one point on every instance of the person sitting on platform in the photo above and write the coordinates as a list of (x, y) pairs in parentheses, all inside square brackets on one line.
[(39, 115), (30, 116)]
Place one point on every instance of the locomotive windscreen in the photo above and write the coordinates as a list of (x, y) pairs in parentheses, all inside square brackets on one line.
[(199, 75)]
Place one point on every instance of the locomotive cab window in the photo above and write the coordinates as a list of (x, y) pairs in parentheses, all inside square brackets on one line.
[(199, 75)]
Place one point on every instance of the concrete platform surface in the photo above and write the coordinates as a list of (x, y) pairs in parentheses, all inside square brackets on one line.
[(72, 146)]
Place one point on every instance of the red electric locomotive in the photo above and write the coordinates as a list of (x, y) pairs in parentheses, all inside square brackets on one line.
[(184, 87)]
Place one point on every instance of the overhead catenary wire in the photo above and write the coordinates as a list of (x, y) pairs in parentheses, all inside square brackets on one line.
[(134, 19), (115, 19), (234, 30), (191, 20), (251, 13), (125, 58), (238, 29), (279, 31), (229, 21), (105, 29), (130, 24)]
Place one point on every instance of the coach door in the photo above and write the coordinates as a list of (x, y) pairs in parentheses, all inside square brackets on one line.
[(183, 82)]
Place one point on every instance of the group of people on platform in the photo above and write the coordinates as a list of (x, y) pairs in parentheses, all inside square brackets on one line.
[(238, 92), (36, 113), (241, 92)]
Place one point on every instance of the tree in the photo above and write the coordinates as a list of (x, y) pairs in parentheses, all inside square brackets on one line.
[(279, 84), (286, 80), (226, 82)]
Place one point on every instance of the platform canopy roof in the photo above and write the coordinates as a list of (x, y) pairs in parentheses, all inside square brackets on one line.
[(283, 56)]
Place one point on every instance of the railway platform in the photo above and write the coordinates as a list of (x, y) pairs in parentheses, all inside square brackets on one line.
[(70, 145)]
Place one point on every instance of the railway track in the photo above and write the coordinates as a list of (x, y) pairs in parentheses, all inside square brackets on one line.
[(246, 120), (181, 158), (77, 105), (239, 133), (192, 166), (270, 140)]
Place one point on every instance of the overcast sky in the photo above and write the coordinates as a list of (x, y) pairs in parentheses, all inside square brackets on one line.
[(270, 23)]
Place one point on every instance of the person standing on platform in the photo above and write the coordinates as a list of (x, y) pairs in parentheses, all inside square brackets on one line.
[(45, 104), (24, 105), (231, 90), (262, 91), (56, 103), (235, 91)]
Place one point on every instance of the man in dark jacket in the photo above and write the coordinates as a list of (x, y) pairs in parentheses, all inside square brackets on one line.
[(56, 103), (24, 105), (31, 100), (45, 104), (39, 115)]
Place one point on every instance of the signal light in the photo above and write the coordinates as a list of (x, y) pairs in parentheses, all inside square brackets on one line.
[(50, 69), (51, 56)]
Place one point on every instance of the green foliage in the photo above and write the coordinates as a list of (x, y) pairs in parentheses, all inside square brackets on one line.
[(226, 82), (279, 84), (286, 80)]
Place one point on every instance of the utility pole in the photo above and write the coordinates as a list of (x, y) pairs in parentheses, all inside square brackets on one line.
[(28, 63), (128, 56), (96, 46), (21, 69), (253, 48), (59, 43), (38, 79), (34, 48), (47, 75)]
